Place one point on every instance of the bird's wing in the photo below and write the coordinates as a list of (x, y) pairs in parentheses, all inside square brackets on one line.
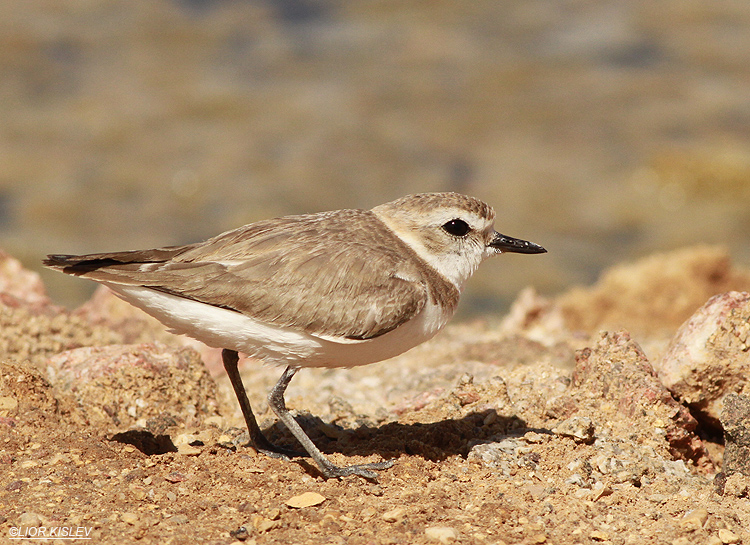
[(338, 278)]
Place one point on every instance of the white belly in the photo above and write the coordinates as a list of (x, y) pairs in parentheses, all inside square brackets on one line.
[(222, 328)]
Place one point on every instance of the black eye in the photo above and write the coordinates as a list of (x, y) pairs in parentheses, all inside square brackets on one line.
[(457, 228)]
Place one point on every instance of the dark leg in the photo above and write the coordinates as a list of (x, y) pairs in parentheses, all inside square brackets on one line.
[(276, 401), (257, 439)]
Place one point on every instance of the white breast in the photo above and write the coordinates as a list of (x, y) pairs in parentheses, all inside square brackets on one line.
[(222, 328)]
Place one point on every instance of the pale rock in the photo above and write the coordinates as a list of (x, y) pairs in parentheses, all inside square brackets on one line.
[(394, 515), (30, 519), (20, 286), (709, 356), (653, 296), (695, 519), (263, 524), (129, 518), (536, 318), (188, 450), (308, 499), (737, 485), (728, 537), (8, 403), (182, 442), (443, 534), (179, 519), (598, 535), (580, 428)]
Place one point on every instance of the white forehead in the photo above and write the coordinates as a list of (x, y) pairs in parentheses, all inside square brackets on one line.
[(472, 217), (439, 207)]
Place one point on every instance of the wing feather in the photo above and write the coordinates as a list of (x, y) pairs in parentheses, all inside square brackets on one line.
[(336, 278)]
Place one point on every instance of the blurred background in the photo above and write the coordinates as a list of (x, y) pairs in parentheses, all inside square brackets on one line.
[(604, 130)]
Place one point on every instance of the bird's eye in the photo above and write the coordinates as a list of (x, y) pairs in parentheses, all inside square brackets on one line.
[(457, 228)]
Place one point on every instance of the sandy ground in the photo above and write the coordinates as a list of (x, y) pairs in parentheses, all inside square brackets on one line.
[(535, 429)]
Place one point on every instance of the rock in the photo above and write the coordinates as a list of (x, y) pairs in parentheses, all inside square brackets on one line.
[(20, 287), (129, 518), (394, 515), (263, 524), (500, 454), (30, 519), (560, 407), (29, 334), (601, 490), (735, 418), (580, 428), (31, 327), (188, 450), (694, 520), (129, 384), (598, 535), (654, 295), (179, 519), (737, 485), (536, 318), (8, 403), (728, 537), (31, 400), (375, 490), (308, 499), (443, 534), (710, 355), (182, 442), (533, 437), (175, 477), (615, 369)]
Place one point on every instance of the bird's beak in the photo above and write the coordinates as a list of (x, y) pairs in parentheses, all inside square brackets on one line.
[(503, 243)]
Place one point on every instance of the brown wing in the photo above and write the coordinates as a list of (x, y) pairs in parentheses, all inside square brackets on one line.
[(332, 273)]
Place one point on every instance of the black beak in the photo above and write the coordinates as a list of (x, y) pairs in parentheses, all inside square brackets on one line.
[(516, 245)]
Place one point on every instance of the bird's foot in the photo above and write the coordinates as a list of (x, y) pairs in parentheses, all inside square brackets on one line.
[(366, 471), (281, 453), (264, 446)]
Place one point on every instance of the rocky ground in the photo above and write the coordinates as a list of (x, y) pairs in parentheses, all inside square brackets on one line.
[(615, 414)]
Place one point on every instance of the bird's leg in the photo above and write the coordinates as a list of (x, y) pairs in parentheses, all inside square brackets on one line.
[(276, 401), (257, 439)]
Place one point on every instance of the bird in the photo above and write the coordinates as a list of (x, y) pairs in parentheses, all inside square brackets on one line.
[(331, 289)]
